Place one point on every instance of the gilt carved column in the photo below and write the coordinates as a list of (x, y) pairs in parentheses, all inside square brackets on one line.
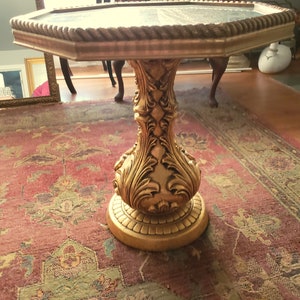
[(156, 205)]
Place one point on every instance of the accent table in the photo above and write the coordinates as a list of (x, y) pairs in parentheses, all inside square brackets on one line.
[(156, 205)]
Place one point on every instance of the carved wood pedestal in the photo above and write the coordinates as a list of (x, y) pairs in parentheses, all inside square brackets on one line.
[(157, 205)]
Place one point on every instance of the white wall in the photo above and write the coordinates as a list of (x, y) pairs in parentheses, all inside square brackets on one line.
[(59, 3), (16, 57), (9, 9), (11, 54)]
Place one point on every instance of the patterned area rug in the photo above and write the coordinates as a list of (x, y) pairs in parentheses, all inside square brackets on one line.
[(56, 181)]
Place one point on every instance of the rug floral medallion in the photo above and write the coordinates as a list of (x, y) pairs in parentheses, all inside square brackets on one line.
[(56, 182)]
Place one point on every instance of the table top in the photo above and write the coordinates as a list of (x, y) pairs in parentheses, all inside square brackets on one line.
[(118, 15), (154, 29)]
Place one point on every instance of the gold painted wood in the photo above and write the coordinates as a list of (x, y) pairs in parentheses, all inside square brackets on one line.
[(157, 232), (156, 205), (156, 178)]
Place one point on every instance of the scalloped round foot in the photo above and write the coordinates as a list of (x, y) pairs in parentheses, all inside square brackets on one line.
[(157, 232)]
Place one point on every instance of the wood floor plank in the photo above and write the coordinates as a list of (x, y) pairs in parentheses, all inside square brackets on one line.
[(275, 104)]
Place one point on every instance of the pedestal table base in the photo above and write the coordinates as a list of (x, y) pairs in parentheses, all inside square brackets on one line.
[(157, 233)]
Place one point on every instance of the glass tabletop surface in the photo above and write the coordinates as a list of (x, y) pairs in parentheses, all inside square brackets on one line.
[(150, 15)]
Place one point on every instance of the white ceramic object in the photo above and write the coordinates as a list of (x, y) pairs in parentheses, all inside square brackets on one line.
[(274, 58)]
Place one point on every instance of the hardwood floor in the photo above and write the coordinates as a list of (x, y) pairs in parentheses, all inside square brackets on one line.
[(275, 104)]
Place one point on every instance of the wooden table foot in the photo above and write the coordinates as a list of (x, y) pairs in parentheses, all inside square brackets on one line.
[(157, 232)]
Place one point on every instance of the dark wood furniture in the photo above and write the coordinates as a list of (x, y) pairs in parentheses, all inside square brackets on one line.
[(67, 73), (218, 64)]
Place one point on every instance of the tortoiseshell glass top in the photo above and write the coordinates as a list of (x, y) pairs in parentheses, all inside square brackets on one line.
[(154, 15)]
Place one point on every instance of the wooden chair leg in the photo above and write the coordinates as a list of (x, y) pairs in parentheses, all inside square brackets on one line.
[(110, 73), (118, 66), (104, 65), (219, 65), (67, 74)]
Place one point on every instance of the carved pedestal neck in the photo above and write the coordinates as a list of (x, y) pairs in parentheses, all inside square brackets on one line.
[(157, 205)]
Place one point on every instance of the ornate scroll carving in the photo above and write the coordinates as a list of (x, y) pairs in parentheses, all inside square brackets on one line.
[(156, 175)]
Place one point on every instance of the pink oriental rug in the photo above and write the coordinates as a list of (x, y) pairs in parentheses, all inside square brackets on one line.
[(56, 172)]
